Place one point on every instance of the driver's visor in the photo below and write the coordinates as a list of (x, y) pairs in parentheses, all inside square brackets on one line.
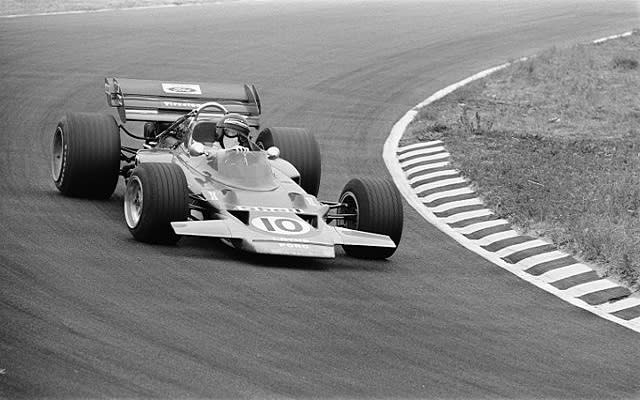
[(228, 132)]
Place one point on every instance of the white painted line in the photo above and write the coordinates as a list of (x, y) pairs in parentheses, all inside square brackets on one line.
[(455, 204), (427, 167), (481, 225), (620, 305), (398, 175), (601, 40), (519, 247), (134, 8), (437, 184), (431, 175), (496, 237), (467, 215), (540, 258), (446, 193), (418, 152), (419, 145), (99, 10), (590, 287), (435, 157), (561, 273)]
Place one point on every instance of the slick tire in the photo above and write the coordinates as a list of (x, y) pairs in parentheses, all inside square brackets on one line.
[(85, 153), (156, 195), (377, 205), (301, 149)]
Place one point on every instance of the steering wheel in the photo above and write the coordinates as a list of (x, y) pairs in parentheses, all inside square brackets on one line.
[(209, 105)]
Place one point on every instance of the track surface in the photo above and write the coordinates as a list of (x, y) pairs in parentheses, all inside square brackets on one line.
[(86, 311)]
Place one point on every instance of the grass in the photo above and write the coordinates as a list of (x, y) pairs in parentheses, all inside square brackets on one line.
[(553, 145)]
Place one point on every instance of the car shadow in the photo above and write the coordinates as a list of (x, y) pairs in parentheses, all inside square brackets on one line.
[(211, 248)]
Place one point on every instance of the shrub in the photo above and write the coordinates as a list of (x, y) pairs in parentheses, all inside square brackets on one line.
[(624, 63)]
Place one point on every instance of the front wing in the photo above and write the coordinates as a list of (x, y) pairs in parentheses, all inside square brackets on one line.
[(281, 236)]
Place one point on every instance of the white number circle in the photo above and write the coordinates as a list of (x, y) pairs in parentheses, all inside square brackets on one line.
[(281, 225)]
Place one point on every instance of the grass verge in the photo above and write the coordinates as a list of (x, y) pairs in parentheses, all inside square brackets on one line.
[(553, 145), (25, 7)]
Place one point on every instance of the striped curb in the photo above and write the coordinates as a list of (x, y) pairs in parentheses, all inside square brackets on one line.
[(438, 192)]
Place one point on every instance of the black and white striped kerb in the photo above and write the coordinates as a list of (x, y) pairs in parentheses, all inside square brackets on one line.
[(450, 199)]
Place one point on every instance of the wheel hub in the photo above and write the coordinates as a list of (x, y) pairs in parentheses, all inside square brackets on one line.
[(350, 206), (57, 154), (133, 201)]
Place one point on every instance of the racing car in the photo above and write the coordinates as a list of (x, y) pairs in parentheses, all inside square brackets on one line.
[(260, 200)]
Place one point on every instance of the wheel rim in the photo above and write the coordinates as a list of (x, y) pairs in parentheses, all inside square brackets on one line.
[(350, 206), (133, 201), (57, 154)]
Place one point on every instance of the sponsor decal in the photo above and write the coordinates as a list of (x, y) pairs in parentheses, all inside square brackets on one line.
[(269, 209), (174, 104), (291, 252), (294, 245), (210, 195), (181, 88), (281, 225)]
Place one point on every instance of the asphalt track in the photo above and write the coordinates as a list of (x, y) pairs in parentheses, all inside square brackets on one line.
[(88, 312)]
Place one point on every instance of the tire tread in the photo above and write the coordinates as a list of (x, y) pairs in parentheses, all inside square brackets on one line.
[(91, 158), (166, 199), (301, 149), (380, 211)]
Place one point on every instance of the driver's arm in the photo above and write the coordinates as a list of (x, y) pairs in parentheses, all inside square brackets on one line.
[(239, 149), (213, 150)]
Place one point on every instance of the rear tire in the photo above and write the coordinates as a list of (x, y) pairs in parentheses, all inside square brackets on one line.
[(86, 155), (301, 149), (377, 204), (156, 195)]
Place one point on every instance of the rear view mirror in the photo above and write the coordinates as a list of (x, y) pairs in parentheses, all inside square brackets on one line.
[(273, 152)]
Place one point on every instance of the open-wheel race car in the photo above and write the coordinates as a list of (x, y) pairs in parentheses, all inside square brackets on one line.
[(206, 168)]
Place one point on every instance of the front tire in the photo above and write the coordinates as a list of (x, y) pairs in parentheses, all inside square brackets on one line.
[(301, 149), (86, 155), (377, 206), (156, 195)]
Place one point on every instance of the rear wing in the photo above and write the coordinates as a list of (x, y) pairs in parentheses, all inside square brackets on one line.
[(146, 100)]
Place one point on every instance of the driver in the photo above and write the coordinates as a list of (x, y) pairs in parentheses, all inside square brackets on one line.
[(233, 133)]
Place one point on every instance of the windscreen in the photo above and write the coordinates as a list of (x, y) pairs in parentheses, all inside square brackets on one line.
[(249, 170)]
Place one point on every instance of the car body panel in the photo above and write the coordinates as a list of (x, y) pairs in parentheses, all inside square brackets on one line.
[(274, 216)]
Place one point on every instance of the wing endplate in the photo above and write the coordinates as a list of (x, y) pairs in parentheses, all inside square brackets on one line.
[(352, 237), (215, 228)]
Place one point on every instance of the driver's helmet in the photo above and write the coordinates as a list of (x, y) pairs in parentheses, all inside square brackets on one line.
[(234, 126)]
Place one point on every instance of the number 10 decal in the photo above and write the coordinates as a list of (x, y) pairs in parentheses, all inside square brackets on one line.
[(281, 225)]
